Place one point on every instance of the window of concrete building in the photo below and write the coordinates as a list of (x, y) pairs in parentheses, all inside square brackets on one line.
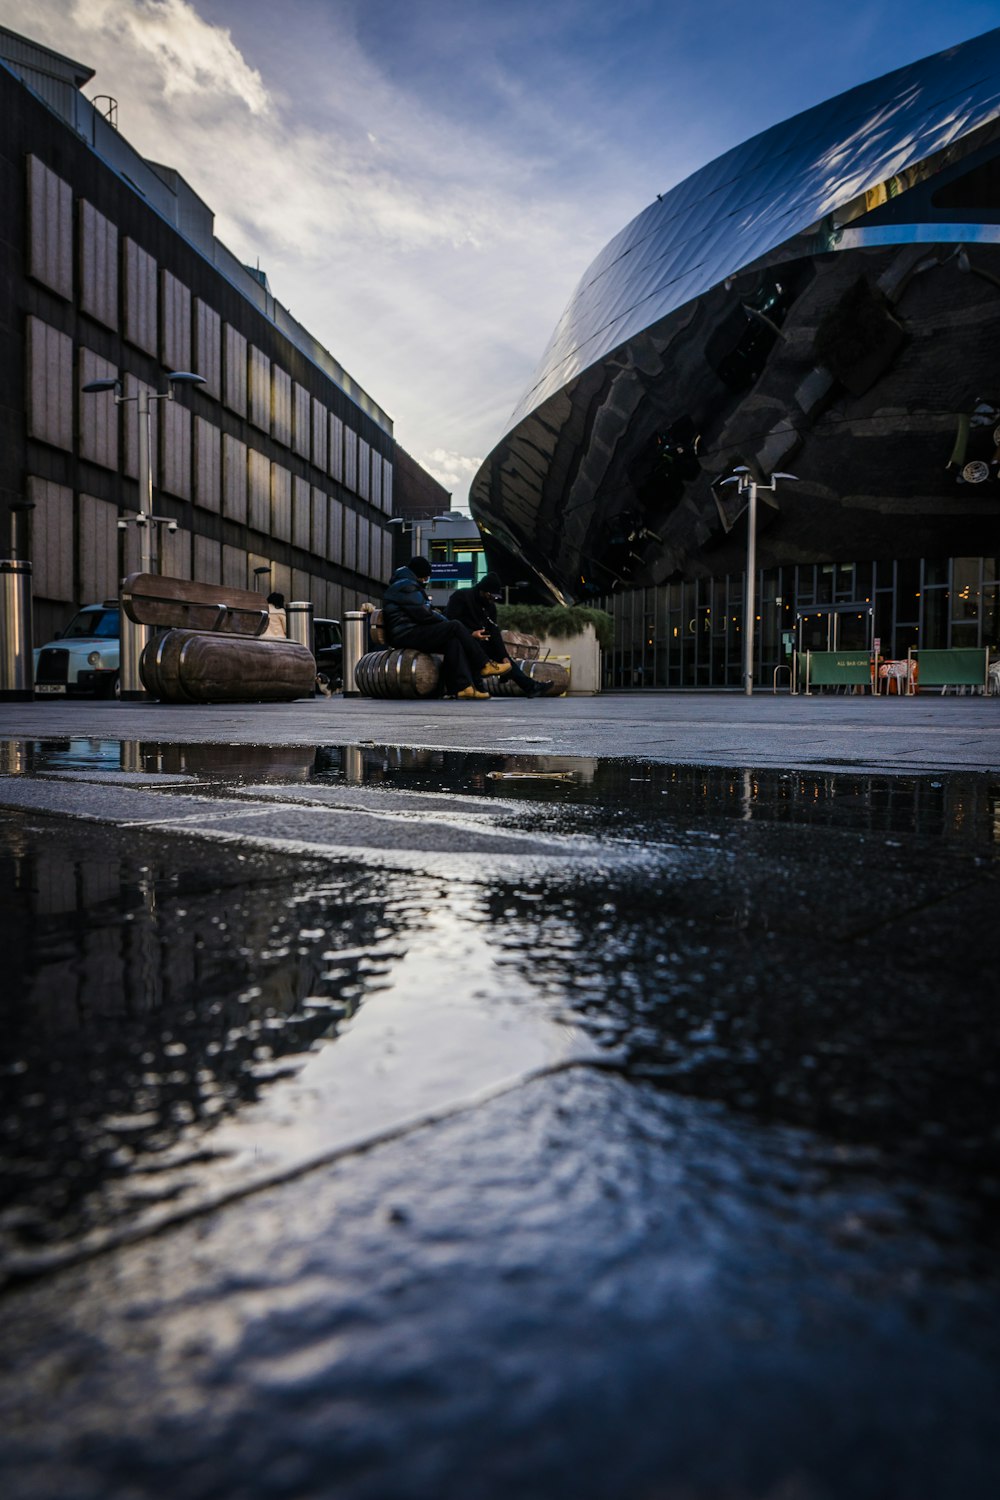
[(51, 539), (320, 524), (364, 469), (140, 298), (99, 413), (376, 489), (258, 491), (281, 402), (281, 503), (175, 320), (98, 266), (49, 384), (259, 376), (130, 417), (207, 560), (234, 370), (234, 479), (966, 601), (301, 512), (50, 229), (351, 459), (350, 540), (175, 449), (207, 464), (97, 542), (336, 455), (320, 435), (208, 347), (335, 531), (234, 567), (301, 420)]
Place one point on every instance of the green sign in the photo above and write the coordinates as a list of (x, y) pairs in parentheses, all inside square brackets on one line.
[(962, 667)]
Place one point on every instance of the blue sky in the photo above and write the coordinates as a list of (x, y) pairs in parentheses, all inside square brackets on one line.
[(425, 180)]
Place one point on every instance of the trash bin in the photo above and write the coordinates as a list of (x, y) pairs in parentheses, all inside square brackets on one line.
[(355, 646), (16, 665)]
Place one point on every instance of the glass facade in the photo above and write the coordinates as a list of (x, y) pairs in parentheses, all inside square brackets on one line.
[(690, 634)]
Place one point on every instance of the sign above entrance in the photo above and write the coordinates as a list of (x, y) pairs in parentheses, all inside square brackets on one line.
[(451, 572)]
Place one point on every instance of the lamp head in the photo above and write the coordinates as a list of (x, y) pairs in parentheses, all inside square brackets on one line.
[(185, 377), (111, 383)]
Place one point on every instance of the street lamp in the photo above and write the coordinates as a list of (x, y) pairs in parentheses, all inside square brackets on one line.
[(418, 533), (134, 637), (749, 486)]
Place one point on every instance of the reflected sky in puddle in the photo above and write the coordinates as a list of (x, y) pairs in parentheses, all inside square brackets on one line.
[(170, 1007)]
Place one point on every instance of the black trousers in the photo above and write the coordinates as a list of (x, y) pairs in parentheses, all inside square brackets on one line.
[(464, 656), (498, 652)]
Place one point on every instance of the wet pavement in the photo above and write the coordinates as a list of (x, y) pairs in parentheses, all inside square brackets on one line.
[(453, 1122)]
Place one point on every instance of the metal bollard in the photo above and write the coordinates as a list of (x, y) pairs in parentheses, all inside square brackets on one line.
[(16, 663), (354, 648), (299, 623)]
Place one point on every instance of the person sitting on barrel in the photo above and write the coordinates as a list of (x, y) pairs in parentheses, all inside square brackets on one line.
[(410, 620), (476, 608)]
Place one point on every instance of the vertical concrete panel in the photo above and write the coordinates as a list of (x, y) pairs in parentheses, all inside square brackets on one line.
[(49, 385), (281, 405), (176, 323), (335, 602), (97, 521), (52, 539), (364, 469), (336, 455), (175, 552), (234, 479), (301, 513), (208, 347), (301, 420), (234, 567), (281, 503), (387, 487), (302, 587), (364, 545), (99, 413), (140, 298), (207, 560), (260, 389), (351, 459), (50, 229), (207, 465), (320, 435), (131, 419), (258, 491), (350, 540), (175, 449), (320, 524), (98, 266), (281, 580), (335, 532), (386, 556), (376, 490), (234, 370)]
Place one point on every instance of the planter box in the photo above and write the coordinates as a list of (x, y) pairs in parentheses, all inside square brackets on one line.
[(585, 659)]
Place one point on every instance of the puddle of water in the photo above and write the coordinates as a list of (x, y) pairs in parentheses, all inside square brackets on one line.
[(184, 1022)]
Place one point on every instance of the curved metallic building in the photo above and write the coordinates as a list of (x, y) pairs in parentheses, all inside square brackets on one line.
[(823, 299)]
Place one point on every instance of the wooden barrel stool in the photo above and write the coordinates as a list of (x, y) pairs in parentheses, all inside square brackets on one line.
[(552, 673), (398, 672)]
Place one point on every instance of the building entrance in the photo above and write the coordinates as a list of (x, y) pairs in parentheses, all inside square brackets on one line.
[(836, 627)]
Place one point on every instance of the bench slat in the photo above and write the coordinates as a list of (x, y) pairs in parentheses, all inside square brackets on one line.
[(149, 599)]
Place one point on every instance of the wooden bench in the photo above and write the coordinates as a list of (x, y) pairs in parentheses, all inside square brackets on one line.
[(210, 646), (402, 672)]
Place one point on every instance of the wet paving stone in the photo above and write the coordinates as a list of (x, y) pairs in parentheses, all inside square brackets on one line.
[(655, 1155)]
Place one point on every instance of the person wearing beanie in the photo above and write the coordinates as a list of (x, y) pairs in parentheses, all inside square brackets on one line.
[(410, 620), (476, 609)]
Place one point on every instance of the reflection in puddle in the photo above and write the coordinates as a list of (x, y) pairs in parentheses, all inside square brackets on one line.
[(184, 1021)]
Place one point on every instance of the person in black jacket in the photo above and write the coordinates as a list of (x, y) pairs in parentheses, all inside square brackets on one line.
[(409, 620), (476, 609)]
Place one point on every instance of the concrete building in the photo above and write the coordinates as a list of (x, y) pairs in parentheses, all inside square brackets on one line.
[(822, 300), (110, 267)]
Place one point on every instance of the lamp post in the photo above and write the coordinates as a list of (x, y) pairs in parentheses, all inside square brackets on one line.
[(749, 486), (134, 637)]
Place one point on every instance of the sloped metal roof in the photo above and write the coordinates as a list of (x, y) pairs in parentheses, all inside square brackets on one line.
[(783, 182)]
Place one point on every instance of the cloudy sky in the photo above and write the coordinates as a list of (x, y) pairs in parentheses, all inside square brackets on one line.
[(425, 180)]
